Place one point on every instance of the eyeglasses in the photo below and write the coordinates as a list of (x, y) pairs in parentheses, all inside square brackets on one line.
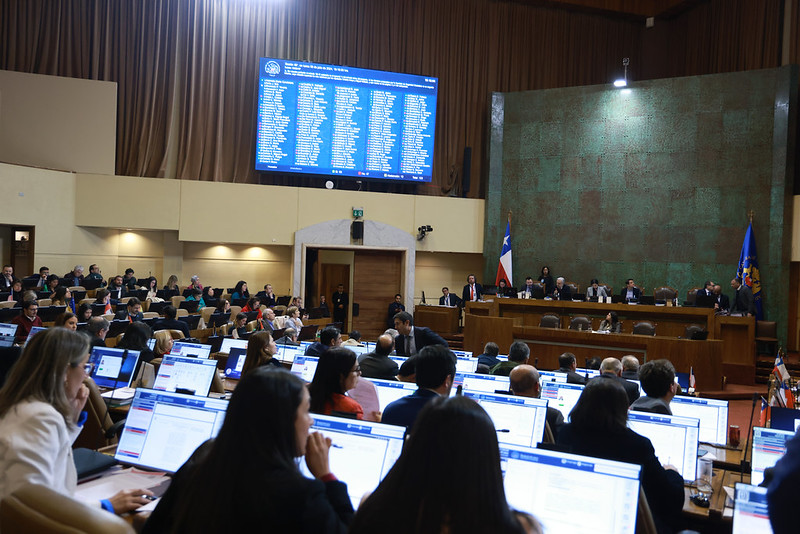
[(88, 368)]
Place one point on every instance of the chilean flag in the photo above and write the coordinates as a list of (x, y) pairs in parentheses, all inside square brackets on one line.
[(504, 267)]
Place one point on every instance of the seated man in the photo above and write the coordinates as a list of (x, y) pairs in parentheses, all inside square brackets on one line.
[(528, 290), (395, 307), (489, 356), (568, 364), (377, 364), (98, 329), (630, 292), (267, 321), (658, 382), (116, 287), (27, 320), (171, 322), (562, 291), (525, 383), (267, 296), (412, 339), (132, 312), (517, 355), (7, 279), (353, 339), (94, 273), (611, 369), (289, 337), (323, 309), (630, 367), (41, 278), (449, 299), (75, 277), (129, 281), (329, 337), (435, 368)]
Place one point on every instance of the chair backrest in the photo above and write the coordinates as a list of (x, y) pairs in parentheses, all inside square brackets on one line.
[(691, 295), (150, 315), (182, 312), (644, 328), (580, 323), (644, 517), (279, 322), (234, 311), (161, 334), (576, 288), (176, 334), (8, 304), (691, 330), (665, 293), (37, 508), (609, 289), (206, 312), (176, 301), (86, 301), (92, 434), (550, 321), (252, 325), (766, 329), (44, 302)]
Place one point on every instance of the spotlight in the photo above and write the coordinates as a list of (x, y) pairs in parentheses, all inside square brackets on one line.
[(423, 231), (622, 82)]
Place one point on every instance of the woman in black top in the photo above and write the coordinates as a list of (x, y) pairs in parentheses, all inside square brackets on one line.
[(136, 336), (547, 280), (247, 480)]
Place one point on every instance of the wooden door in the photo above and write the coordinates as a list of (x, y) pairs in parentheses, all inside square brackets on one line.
[(377, 278)]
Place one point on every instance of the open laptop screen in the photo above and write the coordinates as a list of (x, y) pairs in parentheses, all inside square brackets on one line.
[(197, 350), (235, 363), (356, 349), (518, 420), (769, 446), (463, 353), (750, 513), (784, 418), (164, 429), (588, 373), (713, 415), (305, 367), (674, 438), (552, 376), (465, 364), (391, 390), (484, 383), (571, 492), (190, 373), (34, 330), (562, 396), (113, 368), (228, 343), (7, 334), (362, 453), (287, 353)]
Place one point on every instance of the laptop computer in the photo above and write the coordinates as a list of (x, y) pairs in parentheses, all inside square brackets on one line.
[(391, 390), (195, 350), (465, 364), (228, 343), (562, 396), (305, 367), (7, 334), (287, 353), (113, 369), (552, 376), (186, 374), (769, 446), (784, 418), (34, 330), (713, 415), (518, 420), (674, 438), (572, 494), (750, 513), (163, 429), (363, 452), (235, 363)]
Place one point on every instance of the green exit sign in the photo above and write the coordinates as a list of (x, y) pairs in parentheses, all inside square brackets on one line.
[(358, 212)]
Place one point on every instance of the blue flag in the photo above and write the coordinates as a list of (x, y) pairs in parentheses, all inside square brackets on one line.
[(748, 269)]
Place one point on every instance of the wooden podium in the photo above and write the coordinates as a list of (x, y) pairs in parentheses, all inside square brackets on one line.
[(441, 319)]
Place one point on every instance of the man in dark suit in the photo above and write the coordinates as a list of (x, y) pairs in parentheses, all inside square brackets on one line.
[(611, 369), (567, 364), (525, 383), (170, 322), (328, 338), (448, 299), (472, 291), (630, 291), (630, 367), (708, 289), (412, 339), (743, 301), (658, 382), (39, 279), (132, 312), (377, 364), (339, 301), (723, 302), (8, 278), (562, 291), (394, 308)]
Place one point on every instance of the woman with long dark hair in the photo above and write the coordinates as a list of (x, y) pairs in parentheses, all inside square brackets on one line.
[(240, 291), (434, 473), (252, 463), (337, 372), (547, 280), (611, 323), (261, 350)]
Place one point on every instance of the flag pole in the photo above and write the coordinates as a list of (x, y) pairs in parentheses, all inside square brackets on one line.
[(750, 215)]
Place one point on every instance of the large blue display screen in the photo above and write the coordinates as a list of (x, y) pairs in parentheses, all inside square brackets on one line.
[(332, 120)]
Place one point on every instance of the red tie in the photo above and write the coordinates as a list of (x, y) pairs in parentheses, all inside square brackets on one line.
[(471, 292)]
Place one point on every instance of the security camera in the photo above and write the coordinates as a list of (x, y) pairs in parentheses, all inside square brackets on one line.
[(423, 231)]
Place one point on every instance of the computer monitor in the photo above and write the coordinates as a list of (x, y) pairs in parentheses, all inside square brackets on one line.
[(567, 493), (750, 513), (674, 438), (562, 396), (713, 415), (784, 418), (305, 367), (287, 353), (7, 334), (588, 373), (186, 373), (362, 453), (34, 330), (228, 343), (113, 368), (769, 446), (518, 420), (164, 429), (196, 350), (235, 363), (481, 383), (391, 390), (465, 364), (463, 353), (552, 376), (358, 350)]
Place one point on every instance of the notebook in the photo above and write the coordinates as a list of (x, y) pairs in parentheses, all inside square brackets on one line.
[(113, 369), (391, 390), (562, 396), (769, 446), (164, 429), (750, 513), (362, 452), (674, 438), (305, 367), (518, 420), (235, 363), (185, 373), (196, 350), (7, 334), (571, 491), (713, 415)]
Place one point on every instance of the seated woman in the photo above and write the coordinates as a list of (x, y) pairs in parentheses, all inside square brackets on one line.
[(611, 324), (240, 291), (172, 284), (163, 346), (252, 305), (151, 285), (103, 296), (435, 471), (68, 320), (41, 415), (594, 291), (197, 294), (16, 291), (503, 289), (63, 297), (52, 283), (261, 350), (337, 372), (293, 318), (266, 492), (84, 312), (598, 427), (136, 336), (239, 327)]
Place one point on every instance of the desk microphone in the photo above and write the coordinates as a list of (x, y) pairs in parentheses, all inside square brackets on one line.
[(744, 464)]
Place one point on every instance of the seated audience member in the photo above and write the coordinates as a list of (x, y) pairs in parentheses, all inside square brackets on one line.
[(594, 290), (448, 299), (129, 281), (84, 312), (504, 290), (489, 356), (116, 287), (293, 318), (268, 321), (197, 294), (723, 303), (353, 339), (98, 329), (630, 291), (518, 353), (240, 291), (336, 374), (377, 364), (26, 320), (253, 304), (163, 346), (16, 293), (562, 291), (135, 338), (630, 367), (434, 370), (62, 297), (525, 383), (408, 370), (102, 296), (269, 492), (395, 307), (131, 312), (412, 339), (298, 303), (435, 471), (75, 276), (328, 338), (27, 295), (598, 427), (611, 371), (239, 327), (41, 278), (323, 307), (527, 290), (594, 363), (208, 296), (783, 491), (8, 278), (67, 320), (223, 306), (472, 291), (52, 282), (546, 279), (611, 324), (172, 284), (567, 364), (171, 322), (658, 382), (151, 285), (268, 296), (289, 338), (41, 414), (195, 283), (261, 350), (94, 273)]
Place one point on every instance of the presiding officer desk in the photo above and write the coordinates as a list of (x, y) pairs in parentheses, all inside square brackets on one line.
[(728, 351)]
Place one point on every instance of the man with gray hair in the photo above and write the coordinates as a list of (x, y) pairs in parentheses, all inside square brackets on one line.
[(489, 356), (611, 369), (658, 382), (75, 276), (630, 367), (97, 328), (562, 291), (525, 383), (289, 337), (517, 355)]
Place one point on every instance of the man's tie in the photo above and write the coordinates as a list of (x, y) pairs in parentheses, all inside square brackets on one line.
[(471, 292)]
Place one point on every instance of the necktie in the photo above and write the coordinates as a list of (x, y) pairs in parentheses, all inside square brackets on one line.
[(471, 292)]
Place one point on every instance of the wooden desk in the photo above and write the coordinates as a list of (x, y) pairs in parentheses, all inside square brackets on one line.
[(729, 459), (440, 319), (738, 337)]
